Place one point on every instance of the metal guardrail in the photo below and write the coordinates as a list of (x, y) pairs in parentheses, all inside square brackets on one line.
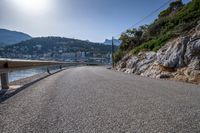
[(8, 65)]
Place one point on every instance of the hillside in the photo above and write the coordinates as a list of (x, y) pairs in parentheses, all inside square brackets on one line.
[(8, 37), (167, 48), (54, 48)]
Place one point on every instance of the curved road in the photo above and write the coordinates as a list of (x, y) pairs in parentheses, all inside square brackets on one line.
[(98, 100)]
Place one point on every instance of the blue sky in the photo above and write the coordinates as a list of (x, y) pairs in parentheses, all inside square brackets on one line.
[(93, 20)]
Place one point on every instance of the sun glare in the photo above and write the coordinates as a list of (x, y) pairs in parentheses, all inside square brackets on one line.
[(33, 6)]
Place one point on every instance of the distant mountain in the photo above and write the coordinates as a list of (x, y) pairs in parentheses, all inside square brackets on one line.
[(109, 42), (53, 47), (8, 37)]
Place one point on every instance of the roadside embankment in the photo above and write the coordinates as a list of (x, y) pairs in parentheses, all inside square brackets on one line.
[(178, 59)]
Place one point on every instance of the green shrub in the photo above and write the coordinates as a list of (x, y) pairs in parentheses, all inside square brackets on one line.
[(165, 12), (118, 55), (153, 45)]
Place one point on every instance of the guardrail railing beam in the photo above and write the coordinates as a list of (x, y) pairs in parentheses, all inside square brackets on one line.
[(8, 65), (4, 81)]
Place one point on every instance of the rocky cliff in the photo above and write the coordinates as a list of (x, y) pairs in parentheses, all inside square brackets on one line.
[(178, 59)]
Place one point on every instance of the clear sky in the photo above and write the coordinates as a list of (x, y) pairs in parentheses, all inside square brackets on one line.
[(93, 20)]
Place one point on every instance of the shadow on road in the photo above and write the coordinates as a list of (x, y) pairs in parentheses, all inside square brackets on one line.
[(6, 94)]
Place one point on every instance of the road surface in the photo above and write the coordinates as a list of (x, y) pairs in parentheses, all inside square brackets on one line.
[(98, 100)]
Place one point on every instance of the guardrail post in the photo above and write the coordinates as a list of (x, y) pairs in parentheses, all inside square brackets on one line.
[(48, 71), (4, 81)]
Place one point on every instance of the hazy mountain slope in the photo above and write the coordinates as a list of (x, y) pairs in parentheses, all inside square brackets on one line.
[(8, 37), (54, 46)]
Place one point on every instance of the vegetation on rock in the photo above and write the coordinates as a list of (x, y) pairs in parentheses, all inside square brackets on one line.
[(172, 22)]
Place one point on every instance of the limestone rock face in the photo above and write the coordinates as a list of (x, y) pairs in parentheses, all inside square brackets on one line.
[(192, 55), (121, 65), (197, 31), (195, 64), (172, 54), (137, 64), (157, 71), (179, 59), (146, 59), (132, 62)]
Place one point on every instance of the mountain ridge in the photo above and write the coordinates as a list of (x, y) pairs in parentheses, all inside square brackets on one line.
[(8, 37), (55, 48)]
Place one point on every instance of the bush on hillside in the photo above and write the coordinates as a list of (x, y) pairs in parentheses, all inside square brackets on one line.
[(118, 55), (175, 20), (153, 45)]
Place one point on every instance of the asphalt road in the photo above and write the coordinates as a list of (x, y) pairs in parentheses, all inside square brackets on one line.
[(98, 100)]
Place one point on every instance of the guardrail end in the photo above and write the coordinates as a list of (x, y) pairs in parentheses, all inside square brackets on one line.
[(4, 81)]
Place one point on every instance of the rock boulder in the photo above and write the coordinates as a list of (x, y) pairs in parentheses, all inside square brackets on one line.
[(172, 54)]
